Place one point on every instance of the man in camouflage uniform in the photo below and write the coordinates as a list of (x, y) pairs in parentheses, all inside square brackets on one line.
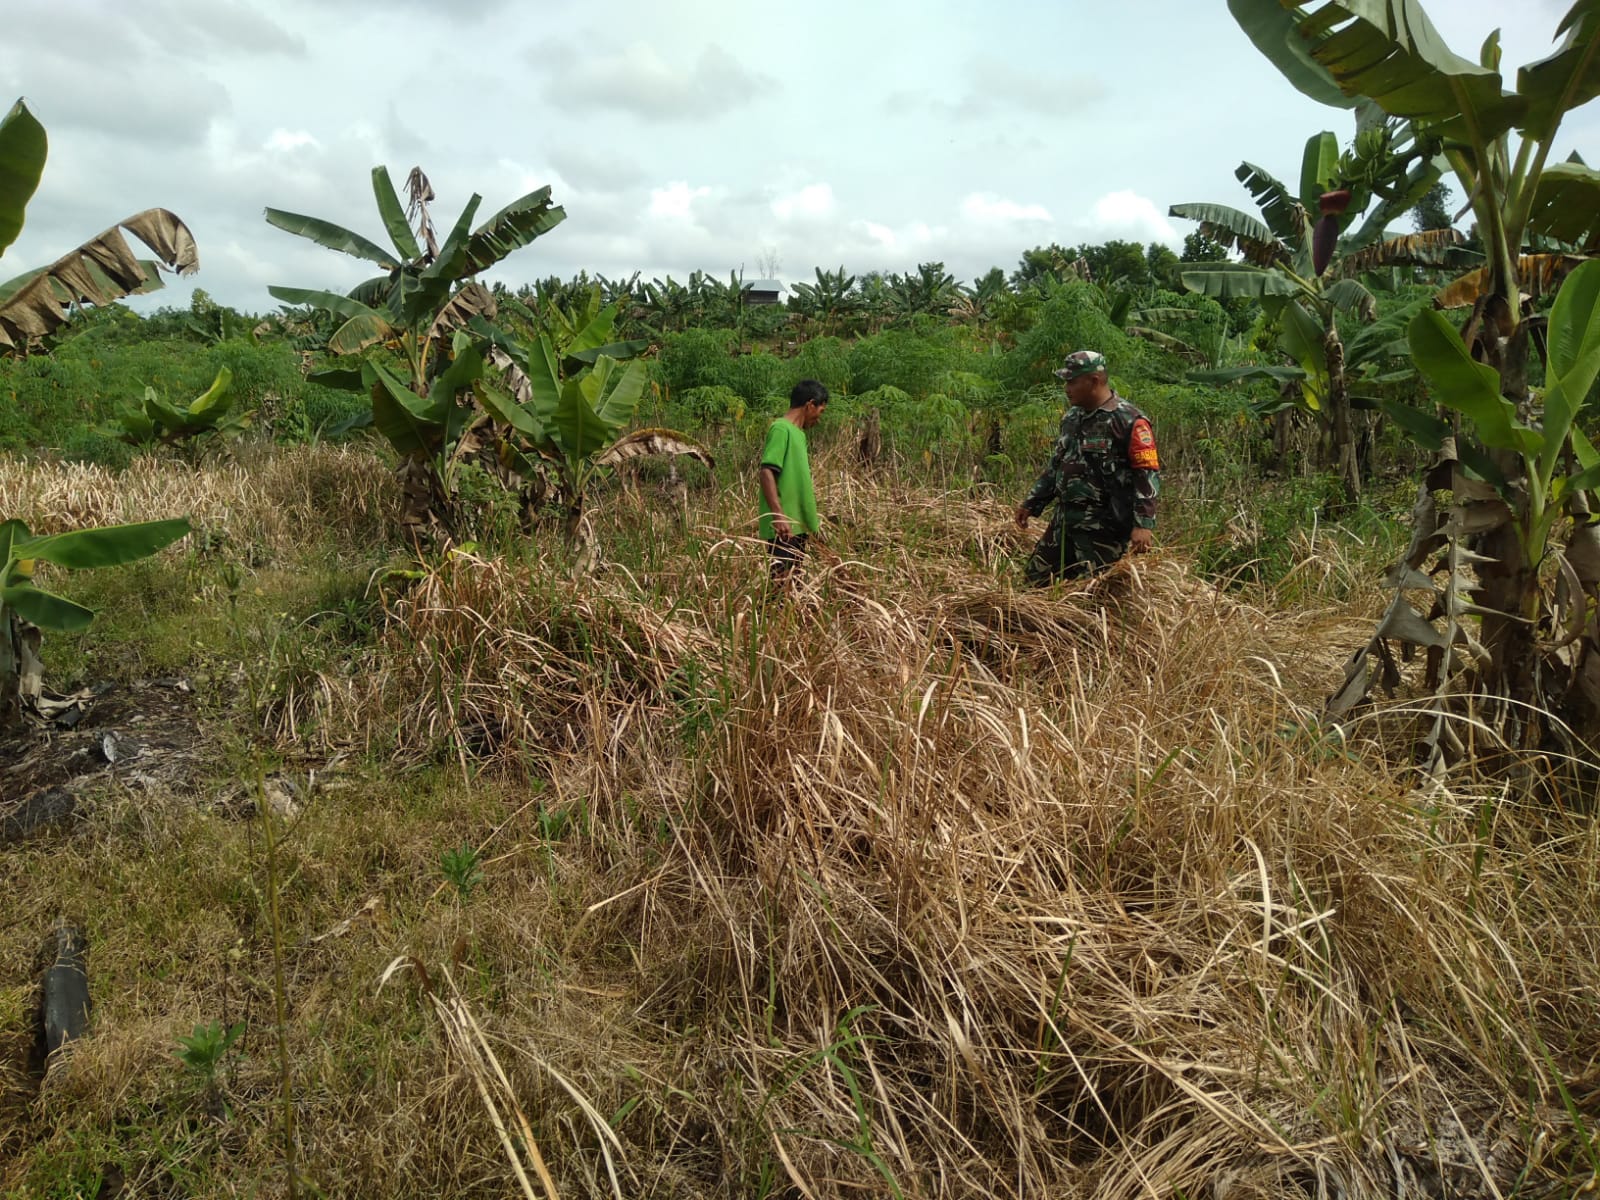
[(1103, 477)]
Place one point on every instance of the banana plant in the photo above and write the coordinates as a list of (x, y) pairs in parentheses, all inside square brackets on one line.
[(1286, 270), (157, 422), (37, 303), (829, 301), (1499, 143), (30, 312), (404, 324), (562, 400), (1547, 507), (1390, 54), (26, 608)]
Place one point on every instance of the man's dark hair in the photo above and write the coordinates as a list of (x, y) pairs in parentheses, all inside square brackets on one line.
[(806, 391)]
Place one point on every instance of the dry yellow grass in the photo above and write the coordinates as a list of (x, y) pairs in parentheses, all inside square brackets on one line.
[(266, 498), (915, 884)]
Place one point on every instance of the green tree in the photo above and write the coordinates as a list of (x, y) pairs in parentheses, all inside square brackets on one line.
[(1281, 270), (1198, 248), (408, 324), (1117, 262), (1052, 262), (36, 304), (1433, 210), (1164, 266), (1537, 653)]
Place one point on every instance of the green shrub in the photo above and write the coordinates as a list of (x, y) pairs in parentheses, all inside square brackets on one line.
[(46, 400), (888, 400), (1072, 319), (709, 406), (913, 364), (825, 359), (935, 427), (695, 358), (759, 376)]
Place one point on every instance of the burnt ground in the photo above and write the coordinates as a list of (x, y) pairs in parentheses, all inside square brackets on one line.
[(138, 734)]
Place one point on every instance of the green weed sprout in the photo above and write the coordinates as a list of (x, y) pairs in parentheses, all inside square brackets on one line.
[(461, 867), (204, 1049)]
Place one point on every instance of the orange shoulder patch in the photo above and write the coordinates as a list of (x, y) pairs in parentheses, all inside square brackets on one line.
[(1142, 447)]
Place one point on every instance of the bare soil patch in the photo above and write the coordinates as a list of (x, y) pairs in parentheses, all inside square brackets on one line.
[(140, 734)]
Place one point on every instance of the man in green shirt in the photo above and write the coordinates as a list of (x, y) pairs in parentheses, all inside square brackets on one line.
[(788, 505)]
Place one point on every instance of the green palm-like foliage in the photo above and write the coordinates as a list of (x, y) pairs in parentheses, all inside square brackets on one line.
[(34, 305), (208, 415), (1386, 172), (565, 392), (31, 310), (21, 600), (408, 324), (830, 301), (1536, 655), (929, 290)]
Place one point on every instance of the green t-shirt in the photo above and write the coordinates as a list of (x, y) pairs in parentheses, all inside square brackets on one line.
[(786, 450)]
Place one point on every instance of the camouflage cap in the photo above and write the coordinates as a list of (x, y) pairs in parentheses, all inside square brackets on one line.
[(1081, 362)]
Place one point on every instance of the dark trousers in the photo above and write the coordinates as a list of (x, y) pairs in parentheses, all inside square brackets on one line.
[(1064, 553), (787, 555)]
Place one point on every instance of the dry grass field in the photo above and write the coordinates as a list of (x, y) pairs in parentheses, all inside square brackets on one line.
[(634, 881)]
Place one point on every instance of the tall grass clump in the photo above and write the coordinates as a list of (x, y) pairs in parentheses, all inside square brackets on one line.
[(907, 882), (938, 887)]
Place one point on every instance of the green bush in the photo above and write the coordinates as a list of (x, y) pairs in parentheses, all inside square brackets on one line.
[(1073, 319), (712, 406), (695, 358), (825, 359), (47, 400), (906, 361), (758, 377)]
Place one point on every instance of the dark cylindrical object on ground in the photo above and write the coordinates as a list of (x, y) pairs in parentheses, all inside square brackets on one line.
[(64, 1000)]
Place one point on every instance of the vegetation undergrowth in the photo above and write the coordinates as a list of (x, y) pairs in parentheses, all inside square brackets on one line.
[(914, 883)]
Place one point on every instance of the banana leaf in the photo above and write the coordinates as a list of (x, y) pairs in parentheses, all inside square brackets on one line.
[(107, 546), (334, 237), (46, 609), (1471, 388), (394, 217), (23, 147)]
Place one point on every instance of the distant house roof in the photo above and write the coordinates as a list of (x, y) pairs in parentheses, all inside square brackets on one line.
[(761, 291)]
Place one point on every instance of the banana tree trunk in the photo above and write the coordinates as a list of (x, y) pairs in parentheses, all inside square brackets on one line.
[(1508, 587), (1343, 431), (10, 671)]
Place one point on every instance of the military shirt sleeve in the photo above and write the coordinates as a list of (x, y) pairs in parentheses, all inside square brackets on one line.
[(1044, 489), (1047, 488), (1145, 464)]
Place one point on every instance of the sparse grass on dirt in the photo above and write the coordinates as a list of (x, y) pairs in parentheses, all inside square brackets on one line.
[(913, 884)]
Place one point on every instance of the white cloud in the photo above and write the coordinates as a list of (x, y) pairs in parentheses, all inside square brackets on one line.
[(639, 81), (227, 26), (1126, 214), (881, 234), (675, 202), (285, 140), (813, 200), (907, 241), (985, 208)]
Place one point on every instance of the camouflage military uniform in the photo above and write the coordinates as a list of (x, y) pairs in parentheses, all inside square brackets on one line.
[(1103, 477)]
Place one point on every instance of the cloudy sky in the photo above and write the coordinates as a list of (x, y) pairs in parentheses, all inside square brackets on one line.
[(678, 134)]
